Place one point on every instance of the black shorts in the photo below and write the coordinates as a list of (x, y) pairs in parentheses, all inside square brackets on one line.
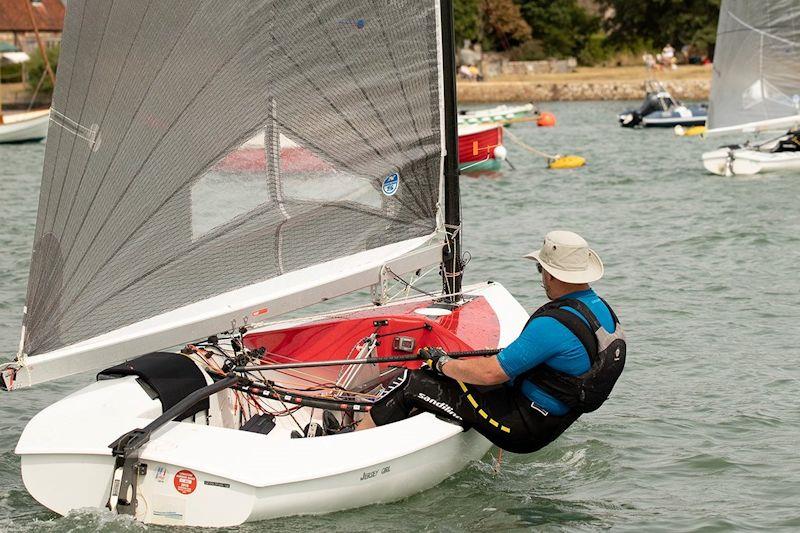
[(500, 413)]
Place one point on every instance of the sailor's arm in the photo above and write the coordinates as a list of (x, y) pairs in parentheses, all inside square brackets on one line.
[(478, 371), (535, 344)]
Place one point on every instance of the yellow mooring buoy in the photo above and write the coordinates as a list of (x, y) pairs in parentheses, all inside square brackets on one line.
[(566, 161), (553, 161), (689, 132)]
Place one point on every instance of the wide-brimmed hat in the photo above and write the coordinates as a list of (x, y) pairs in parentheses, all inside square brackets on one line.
[(567, 257)]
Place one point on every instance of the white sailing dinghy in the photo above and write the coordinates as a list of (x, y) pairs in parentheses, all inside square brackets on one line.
[(756, 86), (160, 224), (20, 127)]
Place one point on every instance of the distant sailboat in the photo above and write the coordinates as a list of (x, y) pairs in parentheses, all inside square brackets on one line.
[(756, 86), (210, 167)]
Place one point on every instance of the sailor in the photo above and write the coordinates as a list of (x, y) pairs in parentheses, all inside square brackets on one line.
[(789, 142), (564, 363)]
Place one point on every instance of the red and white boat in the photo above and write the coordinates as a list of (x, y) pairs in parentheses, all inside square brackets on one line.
[(205, 216), (185, 484), (480, 147)]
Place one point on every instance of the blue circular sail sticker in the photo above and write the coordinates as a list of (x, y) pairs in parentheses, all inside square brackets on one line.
[(390, 184)]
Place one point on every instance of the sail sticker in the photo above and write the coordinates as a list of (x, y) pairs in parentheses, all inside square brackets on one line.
[(161, 473), (391, 183), (358, 23), (185, 482)]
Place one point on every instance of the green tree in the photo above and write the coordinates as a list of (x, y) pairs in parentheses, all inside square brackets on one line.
[(564, 28), (467, 21), (504, 24), (36, 69), (654, 23)]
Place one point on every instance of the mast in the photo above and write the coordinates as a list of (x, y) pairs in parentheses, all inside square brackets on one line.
[(1, 96), (451, 253), (39, 42)]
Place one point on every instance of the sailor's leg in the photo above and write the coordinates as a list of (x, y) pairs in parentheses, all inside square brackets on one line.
[(420, 390), (500, 413), (511, 422)]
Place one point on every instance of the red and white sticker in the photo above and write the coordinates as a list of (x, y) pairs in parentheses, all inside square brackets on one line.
[(185, 482)]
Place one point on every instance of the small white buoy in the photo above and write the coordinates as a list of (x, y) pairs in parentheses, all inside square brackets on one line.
[(500, 152)]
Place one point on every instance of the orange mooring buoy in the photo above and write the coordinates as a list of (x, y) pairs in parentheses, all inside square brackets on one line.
[(546, 119)]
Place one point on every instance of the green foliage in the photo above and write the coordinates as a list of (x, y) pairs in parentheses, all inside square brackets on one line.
[(538, 29), (532, 50), (496, 24), (467, 20), (37, 69), (504, 24), (11, 73), (595, 50), (563, 26), (655, 23)]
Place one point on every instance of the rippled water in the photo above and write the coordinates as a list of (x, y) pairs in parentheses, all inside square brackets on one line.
[(702, 431)]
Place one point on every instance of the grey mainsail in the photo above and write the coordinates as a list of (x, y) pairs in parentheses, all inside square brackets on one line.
[(756, 63), (200, 147)]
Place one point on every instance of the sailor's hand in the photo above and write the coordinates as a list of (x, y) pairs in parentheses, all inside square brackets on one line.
[(435, 359)]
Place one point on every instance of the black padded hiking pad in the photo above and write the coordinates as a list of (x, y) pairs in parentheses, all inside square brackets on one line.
[(172, 376)]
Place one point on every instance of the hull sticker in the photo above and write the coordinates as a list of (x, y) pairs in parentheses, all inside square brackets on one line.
[(185, 482), (217, 484)]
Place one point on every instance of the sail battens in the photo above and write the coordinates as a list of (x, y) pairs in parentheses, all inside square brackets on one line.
[(163, 186), (756, 76)]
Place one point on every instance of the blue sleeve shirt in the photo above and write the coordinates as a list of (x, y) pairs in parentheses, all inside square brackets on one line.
[(546, 341)]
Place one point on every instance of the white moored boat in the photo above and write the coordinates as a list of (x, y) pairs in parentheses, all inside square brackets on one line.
[(310, 185), (26, 126), (502, 114), (23, 127), (756, 86), (746, 160)]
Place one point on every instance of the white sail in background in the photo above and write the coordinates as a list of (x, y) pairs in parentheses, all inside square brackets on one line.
[(208, 162), (756, 80)]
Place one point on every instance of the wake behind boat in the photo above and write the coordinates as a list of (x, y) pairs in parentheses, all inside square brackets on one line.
[(156, 230), (756, 86)]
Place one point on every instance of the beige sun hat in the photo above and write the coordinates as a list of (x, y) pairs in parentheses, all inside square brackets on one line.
[(567, 257)]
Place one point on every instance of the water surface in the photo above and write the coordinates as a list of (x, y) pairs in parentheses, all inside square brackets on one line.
[(702, 431)]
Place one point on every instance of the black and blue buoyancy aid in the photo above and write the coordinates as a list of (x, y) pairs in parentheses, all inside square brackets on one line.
[(588, 391)]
